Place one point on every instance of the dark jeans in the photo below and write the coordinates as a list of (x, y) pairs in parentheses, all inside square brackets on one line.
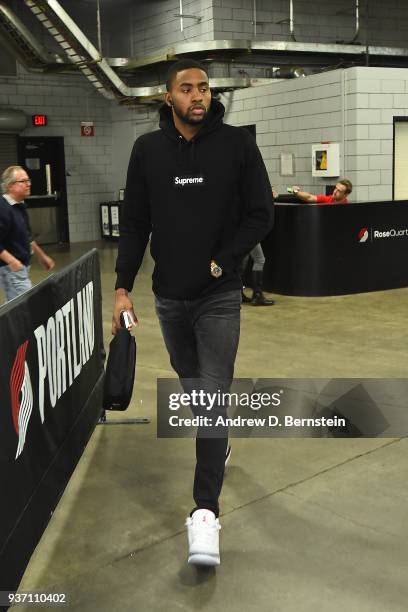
[(202, 338)]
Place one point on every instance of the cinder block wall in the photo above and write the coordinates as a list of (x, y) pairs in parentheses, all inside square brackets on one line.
[(320, 21), (374, 97), (148, 25), (127, 125), (155, 24), (68, 100), (290, 116), (354, 107)]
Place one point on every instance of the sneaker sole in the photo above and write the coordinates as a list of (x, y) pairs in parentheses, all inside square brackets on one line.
[(202, 559)]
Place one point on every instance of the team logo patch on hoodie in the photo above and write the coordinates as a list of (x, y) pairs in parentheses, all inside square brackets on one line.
[(196, 180)]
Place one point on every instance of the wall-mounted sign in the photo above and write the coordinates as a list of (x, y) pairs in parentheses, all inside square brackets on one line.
[(287, 164), (39, 119), (87, 128), (326, 159), (32, 163)]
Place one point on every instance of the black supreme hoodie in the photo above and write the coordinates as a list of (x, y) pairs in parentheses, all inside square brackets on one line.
[(203, 199)]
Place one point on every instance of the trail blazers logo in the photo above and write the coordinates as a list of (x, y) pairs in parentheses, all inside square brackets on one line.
[(363, 234), (21, 393)]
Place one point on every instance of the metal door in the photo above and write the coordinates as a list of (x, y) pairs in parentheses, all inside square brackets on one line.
[(44, 160)]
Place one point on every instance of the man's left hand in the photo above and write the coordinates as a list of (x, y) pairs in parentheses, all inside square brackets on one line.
[(47, 262)]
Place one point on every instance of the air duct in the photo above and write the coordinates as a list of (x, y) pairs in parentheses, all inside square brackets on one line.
[(12, 121), (21, 42)]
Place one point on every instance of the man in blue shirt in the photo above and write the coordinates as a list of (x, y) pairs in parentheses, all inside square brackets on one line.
[(16, 243)]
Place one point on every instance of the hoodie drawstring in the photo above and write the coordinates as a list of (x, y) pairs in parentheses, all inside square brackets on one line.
[(180, 153), (192, 156)]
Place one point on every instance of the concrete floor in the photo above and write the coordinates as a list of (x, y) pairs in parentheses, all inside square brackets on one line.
[(307, 524)]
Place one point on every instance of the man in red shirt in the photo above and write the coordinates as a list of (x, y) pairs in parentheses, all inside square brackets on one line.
[(339, 195)]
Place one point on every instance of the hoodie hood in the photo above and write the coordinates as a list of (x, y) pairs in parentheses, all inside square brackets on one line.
[(212, 121)]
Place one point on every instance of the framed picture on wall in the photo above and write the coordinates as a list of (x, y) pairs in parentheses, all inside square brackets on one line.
[(326, 159)]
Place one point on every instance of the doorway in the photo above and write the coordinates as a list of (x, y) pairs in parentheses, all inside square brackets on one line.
[(44, 160), (400, 161)]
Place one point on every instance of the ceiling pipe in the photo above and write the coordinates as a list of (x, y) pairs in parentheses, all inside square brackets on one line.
[(288, 72), (367, 21), (291, 21), (98, 26), (17, 35), (357, 31), (181, 16), (12, 121)]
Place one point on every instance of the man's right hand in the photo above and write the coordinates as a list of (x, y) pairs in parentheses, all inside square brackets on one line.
[(16, 265), (122, 302)]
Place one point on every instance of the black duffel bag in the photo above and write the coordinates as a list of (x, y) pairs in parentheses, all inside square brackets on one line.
[(120, 371)]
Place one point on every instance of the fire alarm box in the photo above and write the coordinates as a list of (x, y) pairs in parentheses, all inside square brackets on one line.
[(326, 159)]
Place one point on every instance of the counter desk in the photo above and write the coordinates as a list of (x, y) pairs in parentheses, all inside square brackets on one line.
[(337, 249)]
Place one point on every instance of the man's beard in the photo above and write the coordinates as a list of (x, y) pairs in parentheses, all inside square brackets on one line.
[(190, 119)]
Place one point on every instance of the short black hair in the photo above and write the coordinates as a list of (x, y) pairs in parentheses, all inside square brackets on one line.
[(183, 64)]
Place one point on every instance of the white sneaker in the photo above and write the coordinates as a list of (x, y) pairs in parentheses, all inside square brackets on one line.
[(203, 538)]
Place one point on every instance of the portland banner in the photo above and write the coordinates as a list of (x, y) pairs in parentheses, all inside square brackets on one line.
[(51, 383)]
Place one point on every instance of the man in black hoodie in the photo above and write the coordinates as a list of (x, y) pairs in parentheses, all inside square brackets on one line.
[(200, 188)]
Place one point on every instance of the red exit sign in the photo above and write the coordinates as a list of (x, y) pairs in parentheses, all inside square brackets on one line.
[(39, 119)]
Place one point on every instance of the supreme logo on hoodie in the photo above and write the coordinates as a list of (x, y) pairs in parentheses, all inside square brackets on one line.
[(189, 180)]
